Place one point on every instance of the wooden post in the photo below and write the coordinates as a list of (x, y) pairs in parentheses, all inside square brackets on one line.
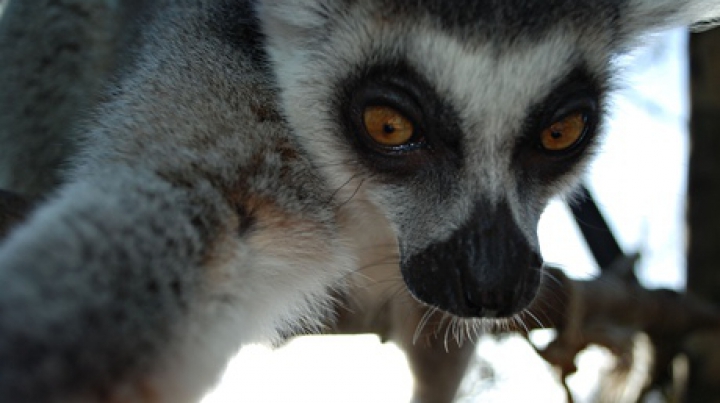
[(704, 210)]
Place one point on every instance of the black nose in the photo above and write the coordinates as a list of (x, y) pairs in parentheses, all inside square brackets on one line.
[(487, 268)]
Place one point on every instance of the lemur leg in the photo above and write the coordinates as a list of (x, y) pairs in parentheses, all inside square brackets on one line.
[(438, 363)]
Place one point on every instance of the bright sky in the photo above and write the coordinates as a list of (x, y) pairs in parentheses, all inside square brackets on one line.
[(639, 180)]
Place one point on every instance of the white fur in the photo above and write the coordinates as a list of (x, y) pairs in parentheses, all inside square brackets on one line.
[(675, 12)]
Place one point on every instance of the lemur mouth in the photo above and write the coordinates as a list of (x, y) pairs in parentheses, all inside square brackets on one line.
[(487, 268)]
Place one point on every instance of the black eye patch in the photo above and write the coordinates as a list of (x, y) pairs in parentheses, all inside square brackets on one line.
[(396, 123), (561, 128)]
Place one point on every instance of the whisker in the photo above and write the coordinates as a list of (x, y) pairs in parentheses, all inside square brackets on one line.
[(423, 322), (335, 193), (469, 326), (352, 196), (447, 330), (550, 276), (533, 317), (459, 331), (518, 321)]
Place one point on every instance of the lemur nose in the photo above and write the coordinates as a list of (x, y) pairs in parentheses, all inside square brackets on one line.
[(487, 268), (507, 299)]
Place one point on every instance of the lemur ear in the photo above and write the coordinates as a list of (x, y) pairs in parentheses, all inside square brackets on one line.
[(658, 14)]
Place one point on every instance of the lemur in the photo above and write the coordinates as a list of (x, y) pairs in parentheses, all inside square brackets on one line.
[(255, 158)]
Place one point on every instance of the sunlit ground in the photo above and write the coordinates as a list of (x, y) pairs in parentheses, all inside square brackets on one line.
[(639, 179)]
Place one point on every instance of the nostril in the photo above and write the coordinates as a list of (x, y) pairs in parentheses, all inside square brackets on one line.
[(537, 260), (494, 304), (490, 304)]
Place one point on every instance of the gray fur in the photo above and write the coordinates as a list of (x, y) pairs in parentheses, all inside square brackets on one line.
[(219, 197), (66, 51)]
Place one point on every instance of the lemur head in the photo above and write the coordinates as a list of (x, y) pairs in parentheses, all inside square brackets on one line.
[(460, 119)]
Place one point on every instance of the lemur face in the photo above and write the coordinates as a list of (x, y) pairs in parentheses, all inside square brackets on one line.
[(463, 167), (458, 123)]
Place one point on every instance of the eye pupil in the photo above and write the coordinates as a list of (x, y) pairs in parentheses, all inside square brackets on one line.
[(387, 126), (564, 133)]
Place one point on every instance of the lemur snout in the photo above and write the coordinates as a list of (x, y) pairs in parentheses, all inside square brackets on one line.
[(487, 268)]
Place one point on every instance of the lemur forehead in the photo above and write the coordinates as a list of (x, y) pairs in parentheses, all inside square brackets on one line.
[(486, 31), (490, 20), (482, 78), (493, 91)]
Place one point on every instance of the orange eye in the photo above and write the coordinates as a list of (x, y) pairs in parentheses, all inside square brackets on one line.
[(387, 127), (564, 133)]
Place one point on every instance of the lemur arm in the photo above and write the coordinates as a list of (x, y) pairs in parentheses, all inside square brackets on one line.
[(98, 308)]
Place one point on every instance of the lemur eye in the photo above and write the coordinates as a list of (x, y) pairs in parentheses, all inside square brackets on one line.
[(387, 127), (565, 133)]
